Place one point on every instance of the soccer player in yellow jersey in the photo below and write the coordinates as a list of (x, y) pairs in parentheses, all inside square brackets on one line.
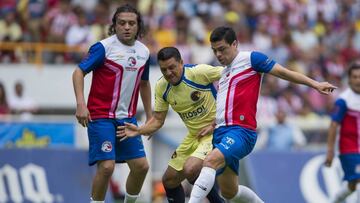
[(190, 91)]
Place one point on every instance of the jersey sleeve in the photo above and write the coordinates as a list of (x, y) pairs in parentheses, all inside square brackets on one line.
[(208, 74), (260, 62), (160, 95), (95, 58), (145, 75), (339, 110)]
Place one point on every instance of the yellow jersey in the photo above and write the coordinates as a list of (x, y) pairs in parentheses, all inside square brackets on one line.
[(193, 98)]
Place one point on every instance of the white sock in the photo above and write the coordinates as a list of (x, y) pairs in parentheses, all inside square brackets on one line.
[(245, 194), (93, 201), (203, 185), (130, 198), (342, 195)]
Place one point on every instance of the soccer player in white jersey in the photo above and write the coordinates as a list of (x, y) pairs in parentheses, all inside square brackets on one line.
[(120, 70), (346, 116), (235, 133)]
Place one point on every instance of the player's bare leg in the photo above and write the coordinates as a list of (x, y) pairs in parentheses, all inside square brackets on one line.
[(172, 183), (138, 170), (101, 180), (192, 168), (228, 183)]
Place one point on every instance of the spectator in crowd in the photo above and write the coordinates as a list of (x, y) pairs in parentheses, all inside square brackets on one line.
[(79, 35), (281, 136), (20, 104), (4, 107), (10, 31), (346, 115)]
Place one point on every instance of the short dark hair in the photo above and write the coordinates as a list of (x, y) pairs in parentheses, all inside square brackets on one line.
[(352, 67), (220, 33), (169, 52), (127, 8)]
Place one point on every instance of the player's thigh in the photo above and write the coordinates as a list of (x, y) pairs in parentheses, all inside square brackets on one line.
[(193, 164), (228, 183), (101, 135), (172, 178), (215, 159), (183, 152), (138, 165), (192, 167)]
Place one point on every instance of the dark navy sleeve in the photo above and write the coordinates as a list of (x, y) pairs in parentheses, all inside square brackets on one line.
[(339, 110), (260, 62), (145, 75), (95, 58)]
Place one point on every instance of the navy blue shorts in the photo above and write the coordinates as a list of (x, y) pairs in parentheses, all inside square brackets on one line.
[(351, 166), (104, 145), (234, 142)]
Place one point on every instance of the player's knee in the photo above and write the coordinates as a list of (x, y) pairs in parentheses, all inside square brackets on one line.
[(210, 161), (142, 168), (228, 194), (169, 181), (192, 172), (106, 168)]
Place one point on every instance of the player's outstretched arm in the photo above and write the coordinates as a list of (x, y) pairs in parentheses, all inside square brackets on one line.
[(295, 77), (131, 130), (331, 143)]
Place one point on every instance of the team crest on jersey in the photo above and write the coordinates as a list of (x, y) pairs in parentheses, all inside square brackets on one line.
[(106, 146), (131, 61), (195, 96)]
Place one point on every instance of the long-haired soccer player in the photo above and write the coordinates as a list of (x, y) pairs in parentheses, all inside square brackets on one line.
[(120, 70)]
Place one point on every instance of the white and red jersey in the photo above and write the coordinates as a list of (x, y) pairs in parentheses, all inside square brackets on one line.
[(347, 114), (239, 88), (117, 71)]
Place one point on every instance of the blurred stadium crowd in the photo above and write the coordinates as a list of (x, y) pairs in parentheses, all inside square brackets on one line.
[(316, 37)]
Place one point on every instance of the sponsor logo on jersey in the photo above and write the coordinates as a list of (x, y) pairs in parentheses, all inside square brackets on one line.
[(106, 146), (132, 51), (140, 58), (192, 114), (131, 61)]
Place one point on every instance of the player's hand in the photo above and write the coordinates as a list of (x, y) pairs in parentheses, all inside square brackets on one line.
[(127, 130), (207, 130), (329, 158), (82, 115), (325, 88)]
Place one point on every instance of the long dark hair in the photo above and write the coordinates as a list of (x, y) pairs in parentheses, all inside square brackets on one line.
[(127, 8)]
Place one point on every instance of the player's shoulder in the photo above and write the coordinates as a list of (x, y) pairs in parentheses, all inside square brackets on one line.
[(139, 46), (346, 94), (161, 84), (108, 41)]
